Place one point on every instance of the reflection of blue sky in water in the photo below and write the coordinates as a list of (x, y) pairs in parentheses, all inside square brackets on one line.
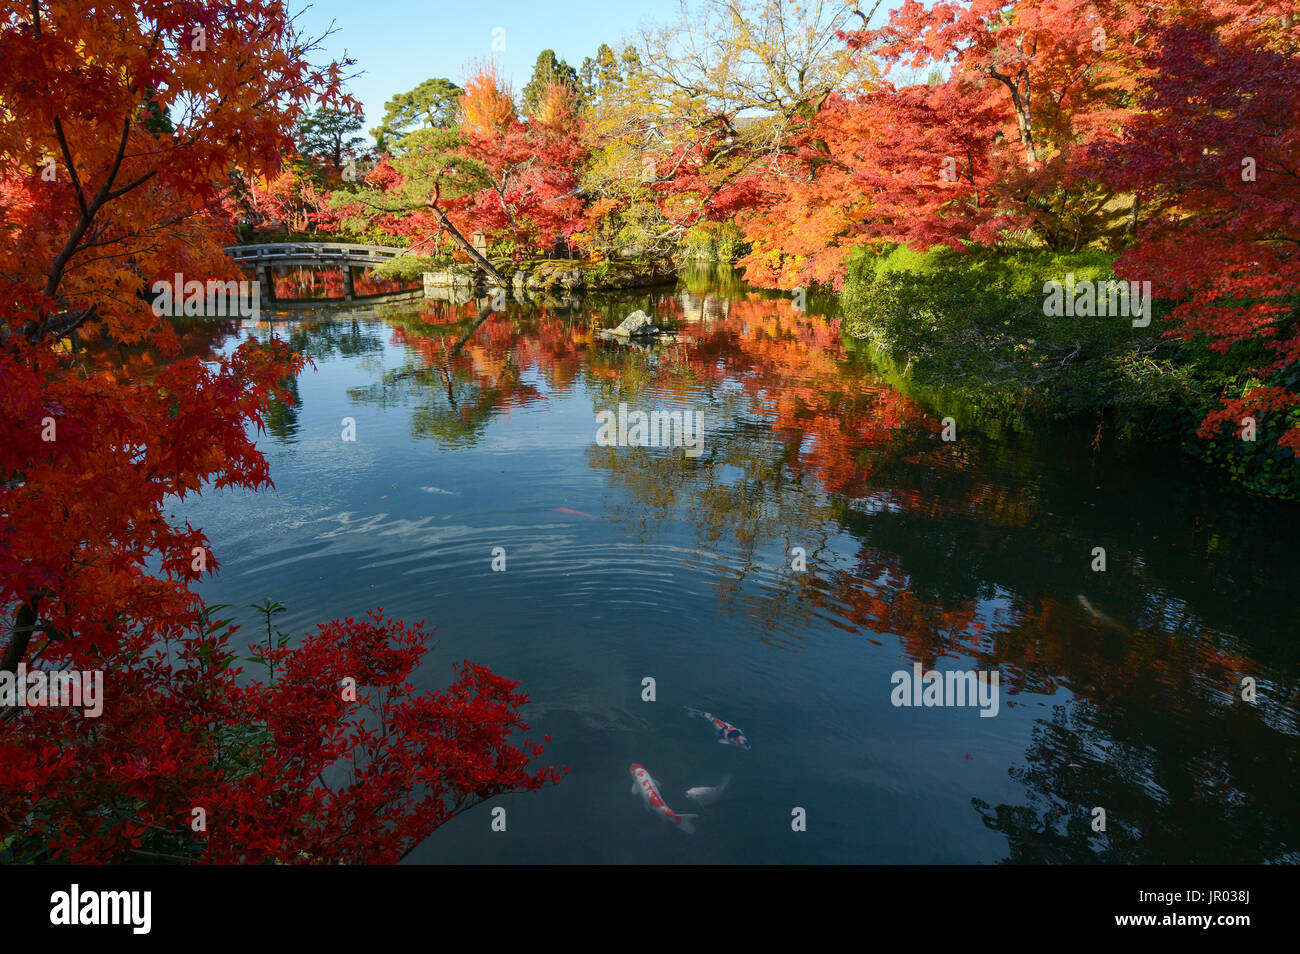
[(971, 560)]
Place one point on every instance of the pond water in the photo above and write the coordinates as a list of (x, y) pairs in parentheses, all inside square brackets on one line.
[(1117, 689)]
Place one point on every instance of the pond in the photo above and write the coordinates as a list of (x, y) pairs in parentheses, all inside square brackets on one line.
[(823, 538)]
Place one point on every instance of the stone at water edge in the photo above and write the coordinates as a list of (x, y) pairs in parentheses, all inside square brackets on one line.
[(636, 325)]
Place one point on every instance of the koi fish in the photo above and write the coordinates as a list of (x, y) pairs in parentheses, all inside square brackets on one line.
[(1098, 616), (728, 734), (704, 795), (575, 513), (644, 785), (439, 490)]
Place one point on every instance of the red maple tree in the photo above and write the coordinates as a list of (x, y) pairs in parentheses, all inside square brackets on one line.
[(1212, 155), (121, 126)]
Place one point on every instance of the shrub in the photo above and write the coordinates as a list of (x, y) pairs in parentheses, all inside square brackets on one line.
[(715, 242), (972, 324)]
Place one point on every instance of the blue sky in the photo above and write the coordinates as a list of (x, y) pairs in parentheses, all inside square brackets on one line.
[(401, 43)]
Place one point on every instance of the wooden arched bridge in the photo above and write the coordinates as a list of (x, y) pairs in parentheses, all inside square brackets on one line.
[(311, 254)]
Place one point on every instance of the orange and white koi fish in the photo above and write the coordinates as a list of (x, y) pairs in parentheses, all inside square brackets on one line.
[(644, 785), (728, 734)]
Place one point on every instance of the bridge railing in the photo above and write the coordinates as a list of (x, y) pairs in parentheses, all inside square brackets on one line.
[(267, 255), (335, 251)]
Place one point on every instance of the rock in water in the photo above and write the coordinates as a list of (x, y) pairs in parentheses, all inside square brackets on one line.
[(636, 325)]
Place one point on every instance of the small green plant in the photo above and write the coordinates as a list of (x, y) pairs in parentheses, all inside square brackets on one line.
[(274, 641), (505, 248)]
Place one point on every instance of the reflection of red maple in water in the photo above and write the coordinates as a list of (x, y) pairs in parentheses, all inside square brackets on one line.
[(486, 366), (793, 371), (498, 352), (793, 368), (1037, 643), (307, 283), (366, 283), (291, 283)]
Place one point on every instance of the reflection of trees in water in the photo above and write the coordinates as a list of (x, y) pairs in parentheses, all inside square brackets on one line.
[(1184, 779), (339, 336), (1153, 649), (962, 527), (785, 421), (738, 496), (457, 373), (307, 282), (452, 403), (1186, 771), (366, 282), (977, 551), (465, 363), (282, 417), (318, 339), (981, 551)]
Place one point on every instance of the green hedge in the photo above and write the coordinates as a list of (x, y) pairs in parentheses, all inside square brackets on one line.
[(969, 330)]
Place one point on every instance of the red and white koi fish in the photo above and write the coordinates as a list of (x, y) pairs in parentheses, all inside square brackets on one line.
[(728, 734), (575, 513), (644, 785)]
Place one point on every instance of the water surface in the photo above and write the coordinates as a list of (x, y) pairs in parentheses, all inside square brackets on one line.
[(1118, 689)]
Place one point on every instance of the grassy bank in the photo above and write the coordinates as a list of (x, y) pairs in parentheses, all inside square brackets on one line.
[(969, 331)]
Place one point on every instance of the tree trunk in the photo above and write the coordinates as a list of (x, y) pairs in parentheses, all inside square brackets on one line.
[(484, 313), (1024, 119), (1020, 100), (24, 624), (466, 245), (1131, 228)]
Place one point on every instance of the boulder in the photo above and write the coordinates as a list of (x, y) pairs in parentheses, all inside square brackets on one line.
[(636, 325)]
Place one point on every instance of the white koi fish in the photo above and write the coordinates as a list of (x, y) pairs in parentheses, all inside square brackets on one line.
[(1096, 614), (644, 785), (704, 795), (728, 734)]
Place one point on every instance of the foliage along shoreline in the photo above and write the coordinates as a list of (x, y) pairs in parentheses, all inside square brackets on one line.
[(1151, 138), (968, 331)]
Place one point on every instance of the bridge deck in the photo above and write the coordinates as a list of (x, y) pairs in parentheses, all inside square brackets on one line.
[(312, 253)]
